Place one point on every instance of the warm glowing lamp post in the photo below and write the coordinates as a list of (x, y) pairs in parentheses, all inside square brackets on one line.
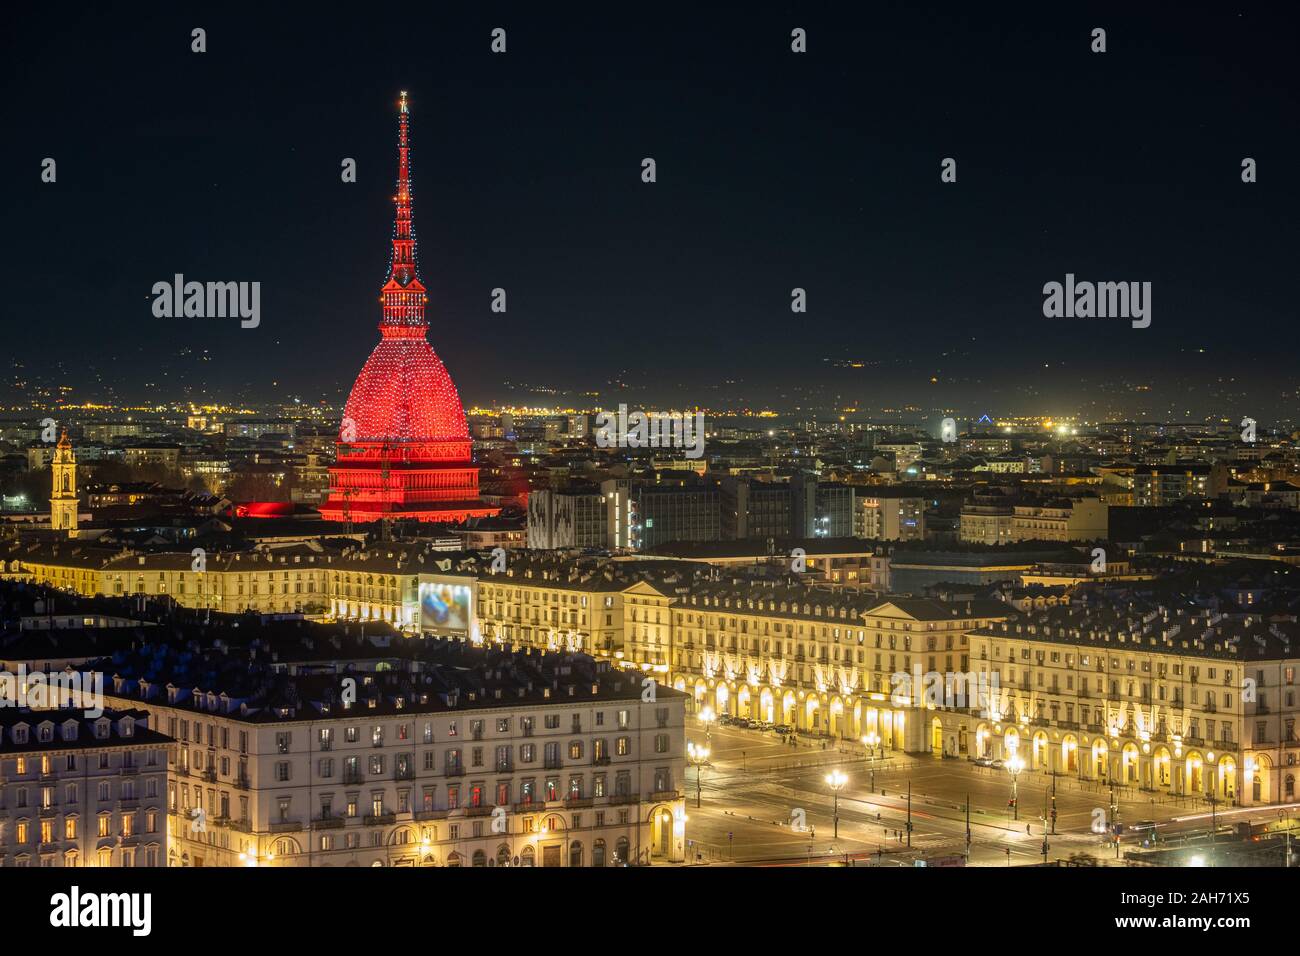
[(707, 717), (697, 756), (1014, 766), (872, 741), (836, 780)]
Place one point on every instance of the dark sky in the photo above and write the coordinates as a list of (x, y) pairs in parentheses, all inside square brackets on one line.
[(775, 170)]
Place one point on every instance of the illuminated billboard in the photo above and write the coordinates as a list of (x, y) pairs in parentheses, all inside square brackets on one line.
[(446, 605)]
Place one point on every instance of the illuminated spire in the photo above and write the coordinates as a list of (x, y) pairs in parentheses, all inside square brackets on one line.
[(403, 296)]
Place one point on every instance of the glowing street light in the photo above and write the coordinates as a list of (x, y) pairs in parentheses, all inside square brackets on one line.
[(836, 780), (697, 756), (1014, 766), (872, 741), (707, 717)]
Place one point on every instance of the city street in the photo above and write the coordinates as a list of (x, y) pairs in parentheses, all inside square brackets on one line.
[(754, 787)]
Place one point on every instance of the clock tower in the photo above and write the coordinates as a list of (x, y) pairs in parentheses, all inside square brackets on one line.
[(64, 500)]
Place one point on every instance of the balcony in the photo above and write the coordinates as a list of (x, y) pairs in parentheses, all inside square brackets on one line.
[(529, 806), (379, 819), (328, 823), (243, 826), (658, 795), (209, 775), (286, 826), (619, 798), (479, 811), (578, 803), (600, 761), (404, 773), (553, 763), (430, 814), (241, 783), (353, 777), (454, 770)]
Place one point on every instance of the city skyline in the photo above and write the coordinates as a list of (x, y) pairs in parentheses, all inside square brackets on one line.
[(612, 439), (919, 292)]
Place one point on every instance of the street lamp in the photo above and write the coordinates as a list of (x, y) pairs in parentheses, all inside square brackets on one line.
[(697, 756), (871, 741), (1014, 766), (707, 717), (836, 780)]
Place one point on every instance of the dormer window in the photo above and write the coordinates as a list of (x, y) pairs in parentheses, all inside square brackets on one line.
[(45, 733), (127, 726), (101, 729), (19, 734)]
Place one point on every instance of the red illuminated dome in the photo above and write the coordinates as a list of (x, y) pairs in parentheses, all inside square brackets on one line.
[(404, 393), (404, 449)]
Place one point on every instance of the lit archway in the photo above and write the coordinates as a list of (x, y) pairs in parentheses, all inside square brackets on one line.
[(1070, 754), (1011, 741), (788, 708), (837, 717), (1129, 763), (1040, 752), (1162, 767), (1100, 759), (1195, 772), (811, 711), (1227, 778)]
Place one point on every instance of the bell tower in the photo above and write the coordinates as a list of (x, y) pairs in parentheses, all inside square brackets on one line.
[(64, 500)]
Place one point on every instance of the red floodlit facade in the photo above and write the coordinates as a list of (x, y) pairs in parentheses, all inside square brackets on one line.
[(404, 449)]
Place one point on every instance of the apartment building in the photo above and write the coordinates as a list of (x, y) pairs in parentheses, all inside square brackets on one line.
[(81, 791), (381, 583), (986, 518), (821, 662), (888, 514), (1083, 519), (1158, 485), (603, 609), (1182, 701), (456, 756)]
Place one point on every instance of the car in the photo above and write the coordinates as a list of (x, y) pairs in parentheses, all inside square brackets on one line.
[(783, 729), (983, 761), (996, 764)]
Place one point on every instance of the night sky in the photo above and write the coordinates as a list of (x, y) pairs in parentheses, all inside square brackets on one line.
[(775, 170)]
